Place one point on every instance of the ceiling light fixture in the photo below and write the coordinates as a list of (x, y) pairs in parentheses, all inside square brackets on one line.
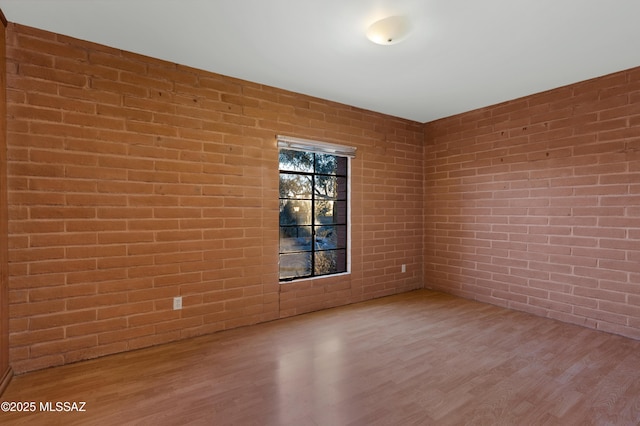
[(390, 30)]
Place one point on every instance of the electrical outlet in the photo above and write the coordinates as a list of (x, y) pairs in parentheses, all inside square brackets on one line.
[(177, 303), (404, 268)]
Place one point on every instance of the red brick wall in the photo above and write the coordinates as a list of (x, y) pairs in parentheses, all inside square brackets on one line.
[(133, 180), (534, 204), (5, 371)]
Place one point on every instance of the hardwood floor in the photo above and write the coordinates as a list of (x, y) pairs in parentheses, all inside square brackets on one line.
[(420, 358)]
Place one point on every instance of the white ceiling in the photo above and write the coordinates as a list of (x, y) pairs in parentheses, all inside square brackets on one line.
[(461, 55)]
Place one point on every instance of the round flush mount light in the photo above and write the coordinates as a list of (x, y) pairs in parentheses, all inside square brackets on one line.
[(390, 30)]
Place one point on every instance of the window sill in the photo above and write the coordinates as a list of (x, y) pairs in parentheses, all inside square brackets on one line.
[(284, 282)]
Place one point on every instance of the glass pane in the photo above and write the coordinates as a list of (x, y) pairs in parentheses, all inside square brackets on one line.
[(324, 212), (331, 165), (330, 262), (341, 166), (326, 164), (296, 161), (295, 238), (341, 190), (325, 187), (331, 212), (330, 188), (295, 212), (295, 186), (330, 237), (295, 265)]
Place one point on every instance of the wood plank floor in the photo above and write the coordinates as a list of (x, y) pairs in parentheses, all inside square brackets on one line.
[(420, 358)]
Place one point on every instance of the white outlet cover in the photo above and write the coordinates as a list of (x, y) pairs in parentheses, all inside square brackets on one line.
[(177, 303)]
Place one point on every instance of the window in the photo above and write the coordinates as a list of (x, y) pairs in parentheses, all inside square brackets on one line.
[(314, 206)]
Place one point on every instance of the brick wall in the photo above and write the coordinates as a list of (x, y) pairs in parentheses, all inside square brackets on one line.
[(534, 204), (133, 180), (5, 371)]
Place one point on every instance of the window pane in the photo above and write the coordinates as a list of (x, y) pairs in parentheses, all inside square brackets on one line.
[(295, 265), (326, 164), (295, 212), (330, 237), (330, 188), (295, 186), (341, 190), (324, 212), (295, 238), (331, 212), (330, 262), (341, 166), (296, 161)]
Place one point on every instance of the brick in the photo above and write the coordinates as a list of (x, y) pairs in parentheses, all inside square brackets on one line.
[(36, 307), (96, 301), (61, 319), (52, 348), (125, 335), (124, 310), (53, 75), (39, 336)]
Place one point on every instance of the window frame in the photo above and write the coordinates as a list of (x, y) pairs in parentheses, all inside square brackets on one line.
[(316, 147)]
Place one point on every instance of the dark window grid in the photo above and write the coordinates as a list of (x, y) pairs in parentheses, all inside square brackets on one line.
[(341, 196)]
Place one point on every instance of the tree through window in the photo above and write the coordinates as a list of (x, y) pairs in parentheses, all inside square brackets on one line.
[(313, 214)]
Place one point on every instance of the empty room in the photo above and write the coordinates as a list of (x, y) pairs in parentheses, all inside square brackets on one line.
[(363, 212)]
